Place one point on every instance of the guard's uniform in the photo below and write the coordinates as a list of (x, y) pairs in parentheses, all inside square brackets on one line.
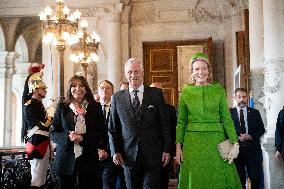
[(37, 124)]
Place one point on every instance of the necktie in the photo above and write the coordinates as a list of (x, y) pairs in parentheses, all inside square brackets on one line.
[(104, 110), (242, 122), (136, 104)]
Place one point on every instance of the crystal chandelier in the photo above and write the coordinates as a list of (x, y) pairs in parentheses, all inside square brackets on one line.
[(59, 29), (84, 47)]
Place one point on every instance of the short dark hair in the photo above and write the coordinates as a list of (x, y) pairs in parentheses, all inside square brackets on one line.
[(107, 81), (240, 89), (124, 82), (88, 96)]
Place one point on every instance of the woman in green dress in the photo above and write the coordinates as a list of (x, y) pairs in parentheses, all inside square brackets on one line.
[(203, 120)]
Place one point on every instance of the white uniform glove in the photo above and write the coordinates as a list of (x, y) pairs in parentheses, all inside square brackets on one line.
[(233, 153), (50, 111)]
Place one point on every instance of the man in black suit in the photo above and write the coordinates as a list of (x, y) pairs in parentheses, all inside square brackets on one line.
[(139, 131), (279, 136), (110, 173), (249, 127), (171, 113)]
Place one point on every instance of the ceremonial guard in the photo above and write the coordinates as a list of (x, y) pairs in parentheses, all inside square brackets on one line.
[(36, 129)]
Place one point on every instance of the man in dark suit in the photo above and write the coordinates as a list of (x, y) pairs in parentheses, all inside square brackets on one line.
[(139, 131), (171, 112), (249, 127), (279, 136), (112, 176)]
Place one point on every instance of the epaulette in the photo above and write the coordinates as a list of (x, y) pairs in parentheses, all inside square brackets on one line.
[(28, 102)]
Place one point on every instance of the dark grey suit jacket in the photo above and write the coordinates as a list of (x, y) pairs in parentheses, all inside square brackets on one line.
[(152, 131)]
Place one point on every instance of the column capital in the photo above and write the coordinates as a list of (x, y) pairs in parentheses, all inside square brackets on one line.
[(114, 12), (7, 64)]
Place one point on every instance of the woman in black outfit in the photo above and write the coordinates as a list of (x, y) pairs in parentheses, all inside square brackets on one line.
[(79, 135)]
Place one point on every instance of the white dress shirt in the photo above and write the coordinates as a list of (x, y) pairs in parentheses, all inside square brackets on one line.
[(245, 111)]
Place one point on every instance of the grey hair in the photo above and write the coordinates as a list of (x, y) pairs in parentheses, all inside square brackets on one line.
[(133, 61)]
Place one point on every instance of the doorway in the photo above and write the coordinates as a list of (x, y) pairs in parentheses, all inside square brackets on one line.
[(168, 63)]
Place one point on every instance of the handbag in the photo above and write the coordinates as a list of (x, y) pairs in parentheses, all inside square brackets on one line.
[(224, 149)]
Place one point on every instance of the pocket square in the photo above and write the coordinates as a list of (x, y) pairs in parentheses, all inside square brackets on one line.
[(150, 106)]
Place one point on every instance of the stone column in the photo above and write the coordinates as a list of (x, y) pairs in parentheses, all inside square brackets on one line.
[(125, 33), (7, 69), (19, 79), (114, 48), (256, 52), (256, 70), (273, 17), (50, 58)]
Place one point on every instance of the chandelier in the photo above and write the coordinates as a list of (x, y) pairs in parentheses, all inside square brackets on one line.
[(59, 29), (84, 47)]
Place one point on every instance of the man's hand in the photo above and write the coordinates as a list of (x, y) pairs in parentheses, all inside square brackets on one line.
[(278, 156), (244, 137), (102, 154), (179, 156), (165, 158), (117, 159)]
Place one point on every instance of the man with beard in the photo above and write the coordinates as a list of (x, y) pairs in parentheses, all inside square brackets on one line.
[(249, 128)]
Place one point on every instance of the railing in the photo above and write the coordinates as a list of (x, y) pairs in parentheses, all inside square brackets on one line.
[(15, 170)]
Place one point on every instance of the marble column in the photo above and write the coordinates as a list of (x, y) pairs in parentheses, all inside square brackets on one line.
[(50, 58), (114, 49), (256, 52), (273, 17), (7, 69), (19, 79)]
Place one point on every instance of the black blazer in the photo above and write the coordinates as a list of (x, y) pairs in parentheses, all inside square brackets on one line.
[(172, 113), (152, 131), (279, 133), (95, 137), (255, 130)]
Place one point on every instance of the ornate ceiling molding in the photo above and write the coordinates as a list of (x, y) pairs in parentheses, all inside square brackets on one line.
[(196, 11)]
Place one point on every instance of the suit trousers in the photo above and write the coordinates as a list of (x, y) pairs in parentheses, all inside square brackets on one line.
[(143, 175), (112, 176), (87, 173), (248, 166)]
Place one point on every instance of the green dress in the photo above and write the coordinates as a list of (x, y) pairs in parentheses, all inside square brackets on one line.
[(203, 116)]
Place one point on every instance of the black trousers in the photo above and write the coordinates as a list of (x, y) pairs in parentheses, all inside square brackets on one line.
[(143, 175), (165, 176), (87, 172), (111, 176), (248, 165)]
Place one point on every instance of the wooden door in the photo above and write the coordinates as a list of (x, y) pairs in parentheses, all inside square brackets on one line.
[(160, 64), (243, 53)]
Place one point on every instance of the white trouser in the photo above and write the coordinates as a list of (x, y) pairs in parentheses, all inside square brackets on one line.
[(39, 169)]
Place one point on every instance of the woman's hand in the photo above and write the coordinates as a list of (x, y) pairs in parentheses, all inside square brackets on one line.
[(75, 137), (179, 155), (234, 152)]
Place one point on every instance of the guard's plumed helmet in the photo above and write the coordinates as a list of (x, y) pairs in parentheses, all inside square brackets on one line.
[(35, 82)]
